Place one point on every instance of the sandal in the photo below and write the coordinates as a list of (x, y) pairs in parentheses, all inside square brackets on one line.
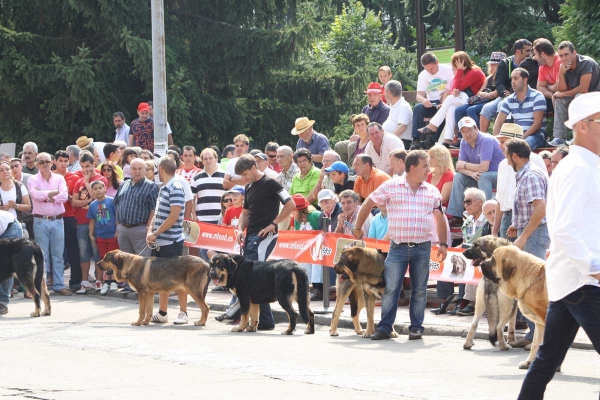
[(426, 131)]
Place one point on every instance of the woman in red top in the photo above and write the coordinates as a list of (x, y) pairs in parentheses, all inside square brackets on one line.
[(468, 80), (442, 173)]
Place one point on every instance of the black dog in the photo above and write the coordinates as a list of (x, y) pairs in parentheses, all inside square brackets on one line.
[(24, 258), (258, 282)]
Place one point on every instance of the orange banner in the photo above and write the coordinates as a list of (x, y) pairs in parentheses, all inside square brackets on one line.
[(315, 247)]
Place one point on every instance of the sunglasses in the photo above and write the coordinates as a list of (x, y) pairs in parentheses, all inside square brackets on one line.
[(227, 200), (107, 169), (468, 202), (46, 162), (272, 155)]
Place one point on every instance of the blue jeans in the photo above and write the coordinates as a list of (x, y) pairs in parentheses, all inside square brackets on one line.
[(469, 111), (580, 308), (487, 182), (537, 244), (420, 112), (14, 231), (50, 235), (416, 260), (535, 141), (259, 249), (490, 110), (86, 250), (505, 224)]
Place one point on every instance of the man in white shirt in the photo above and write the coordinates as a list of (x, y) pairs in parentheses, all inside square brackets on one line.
[(380, 146), (573, 267), (242, 145), (431, 84), (121, 127), (507, 181), (399, 122)]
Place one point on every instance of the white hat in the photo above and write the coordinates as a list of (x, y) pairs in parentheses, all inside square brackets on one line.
[(325, 194), (582, 107), (466, 121)]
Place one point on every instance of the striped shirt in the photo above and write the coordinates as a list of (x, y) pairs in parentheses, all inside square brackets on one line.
[(410, 215), (171, 194), (208, 190), (188, 174), (532, 184), (522, 112), (135, 201)]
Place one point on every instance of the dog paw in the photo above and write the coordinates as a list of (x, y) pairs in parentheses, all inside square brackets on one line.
[(367, 334), (251, 329), (393, 335), (287, 332), (199, 323), (524, 365), (359, 333), (46, 313), (144, 322), (506, 347), (467, 346), (34, 314), (238, 329), (136, 323), (334, 333), (309, 331)]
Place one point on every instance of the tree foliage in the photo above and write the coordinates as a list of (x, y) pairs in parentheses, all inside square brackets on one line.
[(581, 26)]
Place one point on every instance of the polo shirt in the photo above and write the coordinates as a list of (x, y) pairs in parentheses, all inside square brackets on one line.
[(549, 73), (364, 189), (208, 190), (305, 185), (378, 114), (522, 112), (487, 148), (135, 201), (389, 143), (171, 194), (400, 113), (318, 144), (585, 65)]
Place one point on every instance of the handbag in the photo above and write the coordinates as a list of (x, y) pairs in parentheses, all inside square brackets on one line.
[(477, 99)]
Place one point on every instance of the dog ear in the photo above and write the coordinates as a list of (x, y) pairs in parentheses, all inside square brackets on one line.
[(237, 259), (117, 259), (508, 267)]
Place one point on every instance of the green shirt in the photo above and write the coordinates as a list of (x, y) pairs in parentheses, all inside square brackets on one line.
[(304, 185)]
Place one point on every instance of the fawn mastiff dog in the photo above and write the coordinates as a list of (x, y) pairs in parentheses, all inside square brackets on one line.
[(360, 278), (521, 276), (149, 275), (500, 308), (24, 258)]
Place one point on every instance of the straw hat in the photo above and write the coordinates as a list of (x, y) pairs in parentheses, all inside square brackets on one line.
[(301, 125)]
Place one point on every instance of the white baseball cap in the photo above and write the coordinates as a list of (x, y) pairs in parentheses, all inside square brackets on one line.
[(582, 107), (325, 194), (466, 121)]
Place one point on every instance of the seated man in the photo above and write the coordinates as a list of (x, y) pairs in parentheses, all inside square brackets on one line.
[(477, 166), (310, 139), (577, 74), (380, 146), (368, 178), (376, 110), (305, 180), (350, 209), (548, 72), (399, 122), (338, 174), (557, 155), (528, 109)]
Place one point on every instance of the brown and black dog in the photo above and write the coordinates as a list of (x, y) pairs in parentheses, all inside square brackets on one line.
[(521, 276), (150, 275), (360, 278)]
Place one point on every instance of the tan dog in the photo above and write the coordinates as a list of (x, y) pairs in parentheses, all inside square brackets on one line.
[(150, 275), (521, 276), (360, 278)]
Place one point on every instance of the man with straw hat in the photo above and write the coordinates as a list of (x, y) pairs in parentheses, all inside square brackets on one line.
[(310, 139)]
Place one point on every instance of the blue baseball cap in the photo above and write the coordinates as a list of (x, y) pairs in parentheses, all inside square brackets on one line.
[(237, 189), (339, 167)]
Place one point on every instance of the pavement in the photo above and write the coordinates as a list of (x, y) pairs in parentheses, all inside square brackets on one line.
[(88, 349), (435, 325)]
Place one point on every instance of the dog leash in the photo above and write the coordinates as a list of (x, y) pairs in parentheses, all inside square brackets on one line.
[(151, 247), (531, 285)]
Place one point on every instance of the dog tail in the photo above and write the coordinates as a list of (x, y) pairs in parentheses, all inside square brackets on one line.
[(493, 314), (302, 290)]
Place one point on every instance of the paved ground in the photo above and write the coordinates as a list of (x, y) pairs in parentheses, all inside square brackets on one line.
[(87, 349)]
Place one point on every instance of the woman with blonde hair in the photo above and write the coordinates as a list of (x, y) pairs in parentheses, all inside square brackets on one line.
[(468, 80), (442, 173)]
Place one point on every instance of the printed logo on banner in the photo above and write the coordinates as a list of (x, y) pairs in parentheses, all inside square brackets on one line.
[(191, 231), (318, 250), (343, 243), (457, 267)]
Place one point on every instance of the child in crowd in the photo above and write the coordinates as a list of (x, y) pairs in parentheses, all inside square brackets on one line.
[(103, 229)]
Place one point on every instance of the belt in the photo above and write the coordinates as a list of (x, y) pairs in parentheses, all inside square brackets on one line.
[(128, 226), (51, 217), (411, 244)]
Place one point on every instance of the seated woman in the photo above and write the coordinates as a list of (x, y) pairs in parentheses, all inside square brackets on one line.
[(468, 80), (486, 94)]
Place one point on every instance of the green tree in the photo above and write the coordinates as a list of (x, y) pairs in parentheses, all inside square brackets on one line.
[(581, 26)]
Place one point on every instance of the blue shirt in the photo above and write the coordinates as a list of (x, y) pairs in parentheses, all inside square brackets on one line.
[(522, 112), (487, 148), (135, 201), (379, 113), (104, 213), (379, 227), (318, 145)]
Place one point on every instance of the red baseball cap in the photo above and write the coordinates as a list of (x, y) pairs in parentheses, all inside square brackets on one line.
[(144, 107), (374, 87)]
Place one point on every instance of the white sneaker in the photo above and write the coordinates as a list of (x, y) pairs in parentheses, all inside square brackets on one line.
[(159, 319), (114, 287), (556, 142), (86, 284), (98, 286), (82, 290), (182, 319), (104, 289)]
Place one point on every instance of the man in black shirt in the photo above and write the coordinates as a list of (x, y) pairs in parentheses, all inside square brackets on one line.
[(260, 217)]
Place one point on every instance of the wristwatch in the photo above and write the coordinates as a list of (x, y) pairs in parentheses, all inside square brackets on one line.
[(443, 244)]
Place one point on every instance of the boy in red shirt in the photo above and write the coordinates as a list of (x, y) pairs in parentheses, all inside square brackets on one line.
[(232, 215)]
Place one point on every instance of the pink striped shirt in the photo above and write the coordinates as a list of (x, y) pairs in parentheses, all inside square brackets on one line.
[(410, 215), (38, 191)]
